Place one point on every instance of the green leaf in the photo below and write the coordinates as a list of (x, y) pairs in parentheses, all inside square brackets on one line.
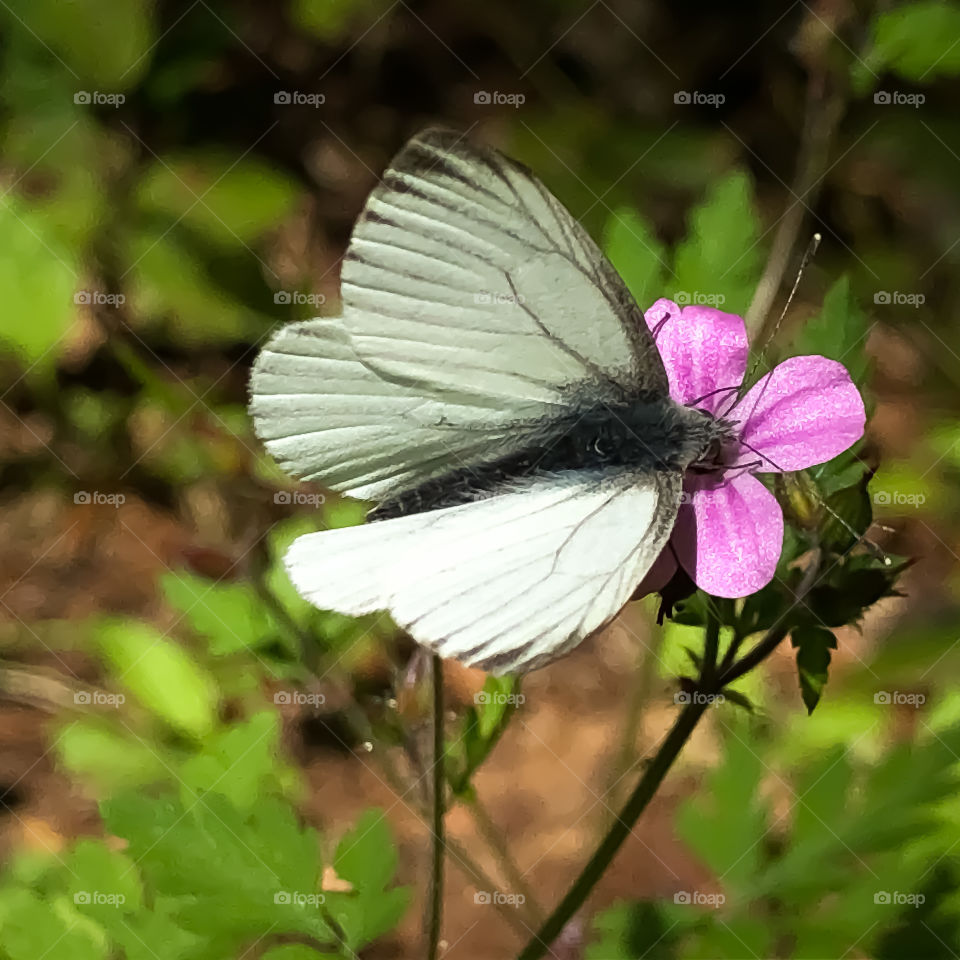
[(720, 261), (229, 873), (636, 253), (331, 19), (97, 752), (481, 729), (167, 282), (240, 762), (161, 675), (813, 645), (31, 928), (850, 510), (723, 823), (367, 858), (849, 589), (230, 204), (106, 42), (295, 951), (38, 277), (103, 882), (230, 616), (629, 930), (839, 331), (917, 41)]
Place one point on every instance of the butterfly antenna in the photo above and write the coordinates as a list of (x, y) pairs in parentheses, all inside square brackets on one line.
[(807, 257), (874, 548)]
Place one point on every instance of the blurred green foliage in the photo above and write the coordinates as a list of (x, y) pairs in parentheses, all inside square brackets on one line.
[(162, 209)]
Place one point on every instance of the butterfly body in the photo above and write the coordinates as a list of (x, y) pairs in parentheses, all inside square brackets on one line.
[(642, 435)]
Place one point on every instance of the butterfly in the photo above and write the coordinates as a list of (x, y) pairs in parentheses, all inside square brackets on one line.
[(492, 385)]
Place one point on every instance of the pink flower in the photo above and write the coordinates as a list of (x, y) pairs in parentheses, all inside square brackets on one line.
[(729, 531)]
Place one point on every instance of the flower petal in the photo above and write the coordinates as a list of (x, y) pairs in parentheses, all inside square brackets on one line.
[(703, 350), (729, 536), (805, 411)]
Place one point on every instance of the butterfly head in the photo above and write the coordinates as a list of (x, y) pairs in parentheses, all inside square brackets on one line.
[(713, 444)]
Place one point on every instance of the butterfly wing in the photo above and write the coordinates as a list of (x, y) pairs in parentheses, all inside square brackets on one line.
[(324, 415), (474, 307), (467, 278), (507, 583)]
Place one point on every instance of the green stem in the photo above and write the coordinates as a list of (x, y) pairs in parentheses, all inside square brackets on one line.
[(619, 831), (711, 647), (434, 920)]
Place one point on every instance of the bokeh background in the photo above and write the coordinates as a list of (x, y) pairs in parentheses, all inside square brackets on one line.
[(179, 178)]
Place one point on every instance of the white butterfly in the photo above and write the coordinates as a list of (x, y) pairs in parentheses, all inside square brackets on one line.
[(493, 385)]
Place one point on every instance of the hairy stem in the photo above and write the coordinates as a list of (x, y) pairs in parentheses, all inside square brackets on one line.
[(435, 906)]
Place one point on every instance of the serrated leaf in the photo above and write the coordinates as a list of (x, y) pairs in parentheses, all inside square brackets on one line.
[(366, 856), (720, 261), (813, 645), (636, 253)]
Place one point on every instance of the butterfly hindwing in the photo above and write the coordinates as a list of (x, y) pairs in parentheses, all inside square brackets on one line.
[(506, 583)]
